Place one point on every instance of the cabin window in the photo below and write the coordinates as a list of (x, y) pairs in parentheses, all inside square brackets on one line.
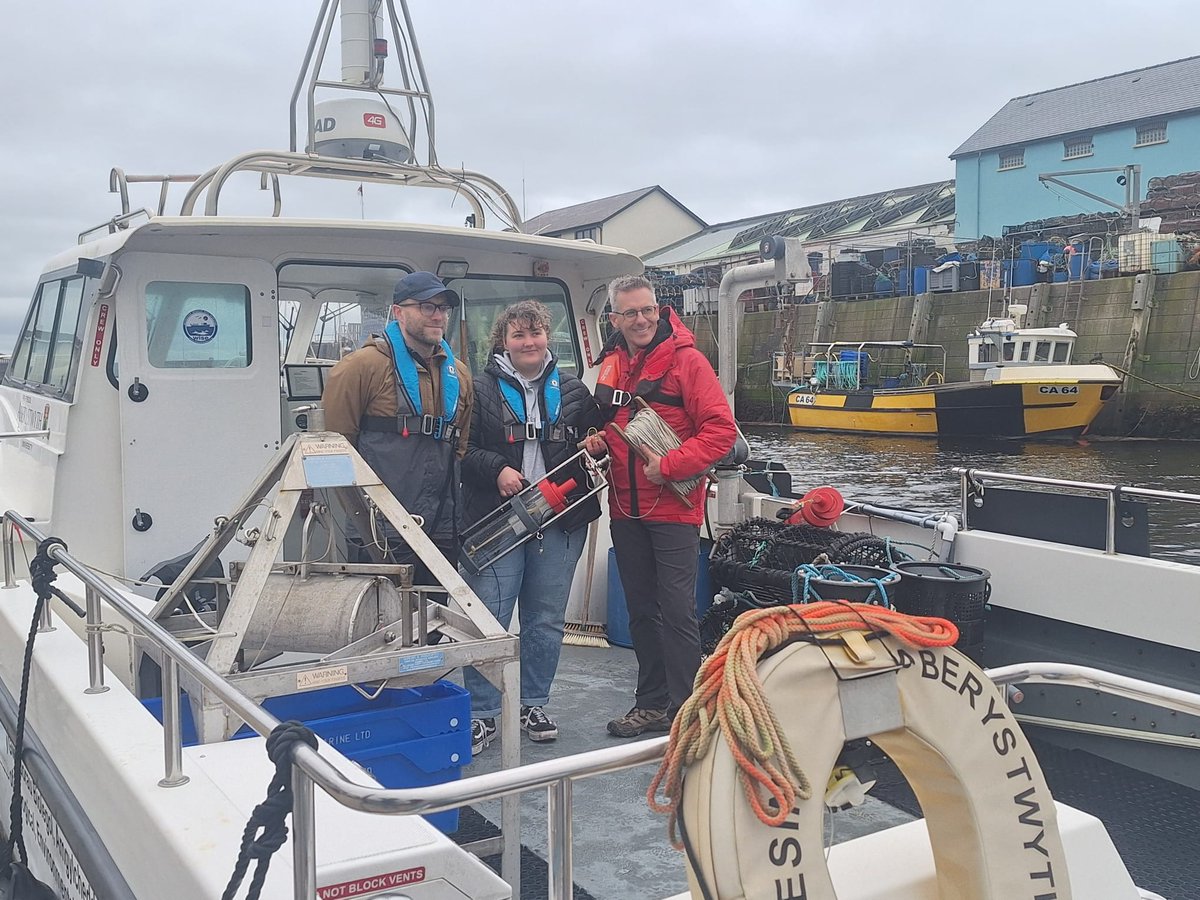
[(1061, 352), (48, 350), (192, 325), (987, 352), (1009, 348), (1042, 354), (485, 297), (1024, 351)]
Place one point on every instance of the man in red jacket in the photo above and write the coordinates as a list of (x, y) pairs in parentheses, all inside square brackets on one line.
[(656, 536)]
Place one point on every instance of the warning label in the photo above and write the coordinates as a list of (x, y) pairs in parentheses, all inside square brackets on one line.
[(371, 884)]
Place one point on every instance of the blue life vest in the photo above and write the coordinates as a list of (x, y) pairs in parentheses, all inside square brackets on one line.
[(514, 401), (410, 388)]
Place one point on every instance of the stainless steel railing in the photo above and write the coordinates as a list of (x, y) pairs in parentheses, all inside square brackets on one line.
[(557, 776), (1113, 493)]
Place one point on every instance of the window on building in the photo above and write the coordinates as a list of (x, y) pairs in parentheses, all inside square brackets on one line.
[(1077, 147), (194, 325), (588, 234), (1151, 133), (47, 354), (1012, 159)]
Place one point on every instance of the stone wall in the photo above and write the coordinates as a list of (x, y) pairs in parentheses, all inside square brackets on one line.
[(1158, 345)]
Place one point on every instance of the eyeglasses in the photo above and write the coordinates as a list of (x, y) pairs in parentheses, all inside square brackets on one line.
[(429, 308), (646, 312)]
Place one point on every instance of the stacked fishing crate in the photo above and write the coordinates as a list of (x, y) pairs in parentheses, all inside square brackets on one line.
[(403, 737)]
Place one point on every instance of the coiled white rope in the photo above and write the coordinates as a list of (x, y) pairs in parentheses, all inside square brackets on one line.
[(647, 427)]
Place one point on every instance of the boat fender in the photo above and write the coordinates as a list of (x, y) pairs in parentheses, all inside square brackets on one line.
[(991, 820)]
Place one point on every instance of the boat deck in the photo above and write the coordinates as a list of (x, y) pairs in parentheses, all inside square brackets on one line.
[(621, 848)]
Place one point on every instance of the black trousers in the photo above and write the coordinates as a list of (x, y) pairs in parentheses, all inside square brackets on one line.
[(657, 562)]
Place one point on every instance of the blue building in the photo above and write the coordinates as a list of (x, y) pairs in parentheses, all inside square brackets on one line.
[(1148, 117)]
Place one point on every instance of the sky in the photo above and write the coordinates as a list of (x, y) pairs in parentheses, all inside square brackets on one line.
[(736, 109)]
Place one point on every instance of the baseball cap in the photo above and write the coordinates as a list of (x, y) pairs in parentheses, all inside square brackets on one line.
[(422, 286)]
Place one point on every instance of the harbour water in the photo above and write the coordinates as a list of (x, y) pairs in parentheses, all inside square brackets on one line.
[(916, 472)]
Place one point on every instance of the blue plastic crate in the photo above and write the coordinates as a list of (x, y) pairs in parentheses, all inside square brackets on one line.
[(420, 763), (347, 720)]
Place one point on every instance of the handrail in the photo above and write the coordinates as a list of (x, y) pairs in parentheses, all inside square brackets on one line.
[(968, 478), (478, 189), (14, 435), (1098, 680), (81, 835), (312, 768)]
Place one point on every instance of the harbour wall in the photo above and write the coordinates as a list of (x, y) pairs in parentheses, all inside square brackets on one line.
[(1148, 325)]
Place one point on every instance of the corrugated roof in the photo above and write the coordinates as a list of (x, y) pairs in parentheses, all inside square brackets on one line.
[(1139, 94), (922, 205), (594, 212)]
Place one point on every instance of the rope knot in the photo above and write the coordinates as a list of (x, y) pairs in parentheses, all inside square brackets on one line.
[(41, 568), (270, 816)]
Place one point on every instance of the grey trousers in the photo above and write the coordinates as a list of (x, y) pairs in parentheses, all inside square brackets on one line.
[(657, 562)]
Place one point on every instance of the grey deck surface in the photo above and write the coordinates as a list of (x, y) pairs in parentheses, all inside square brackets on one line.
[(621, 847)]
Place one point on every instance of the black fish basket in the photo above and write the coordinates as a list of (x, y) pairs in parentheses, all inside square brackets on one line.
[(947, 590), (760, 556)]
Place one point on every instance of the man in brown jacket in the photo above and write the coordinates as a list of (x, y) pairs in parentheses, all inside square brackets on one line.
[(403, 401)]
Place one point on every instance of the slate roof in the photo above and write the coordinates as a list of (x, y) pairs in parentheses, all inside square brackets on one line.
[(920, 206), (594, 212), (1140, 94)]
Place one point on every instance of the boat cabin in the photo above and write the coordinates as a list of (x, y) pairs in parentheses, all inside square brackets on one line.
[(170, 340), (1005, 342)]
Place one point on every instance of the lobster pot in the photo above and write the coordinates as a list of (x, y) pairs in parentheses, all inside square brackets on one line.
[(759, 556), (320, 614), (947, 590), (864, 591)]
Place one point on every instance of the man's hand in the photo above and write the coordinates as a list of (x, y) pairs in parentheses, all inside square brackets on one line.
[(595, 444), (652, 467), (508, 482)]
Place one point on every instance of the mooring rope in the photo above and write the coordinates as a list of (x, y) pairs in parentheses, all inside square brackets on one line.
[(647, 427), (728, 696)]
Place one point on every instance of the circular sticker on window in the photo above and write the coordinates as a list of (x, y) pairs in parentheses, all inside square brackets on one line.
[(200, 326)]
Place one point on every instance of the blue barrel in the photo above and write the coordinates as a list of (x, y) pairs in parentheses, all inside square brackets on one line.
[(920, 279), (617, 628)]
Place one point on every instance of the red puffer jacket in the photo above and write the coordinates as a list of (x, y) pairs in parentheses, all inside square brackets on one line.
[(689, 398)]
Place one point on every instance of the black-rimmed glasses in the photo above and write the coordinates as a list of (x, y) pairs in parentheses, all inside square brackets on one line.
[(429, 308), (646, 312)]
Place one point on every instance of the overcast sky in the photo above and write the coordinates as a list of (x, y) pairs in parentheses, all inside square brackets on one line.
[(734, 108)]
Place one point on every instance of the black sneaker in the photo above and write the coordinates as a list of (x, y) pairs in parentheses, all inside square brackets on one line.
[(538, 725), (483, 732), (638, 720)]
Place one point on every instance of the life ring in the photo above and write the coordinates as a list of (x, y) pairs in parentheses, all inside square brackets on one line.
[(991, 821)]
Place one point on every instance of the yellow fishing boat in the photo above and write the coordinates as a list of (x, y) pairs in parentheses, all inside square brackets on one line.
[(1022, 384)]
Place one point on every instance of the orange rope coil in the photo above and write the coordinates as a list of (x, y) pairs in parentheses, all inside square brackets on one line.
[(728, 696)]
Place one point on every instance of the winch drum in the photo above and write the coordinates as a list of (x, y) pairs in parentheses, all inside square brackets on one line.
[(319, 614)]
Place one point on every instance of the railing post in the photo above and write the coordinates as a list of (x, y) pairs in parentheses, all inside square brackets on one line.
[(304, 833), (95, 643), (1110, 530), (10, 559), (559, 839), (172, 734)]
